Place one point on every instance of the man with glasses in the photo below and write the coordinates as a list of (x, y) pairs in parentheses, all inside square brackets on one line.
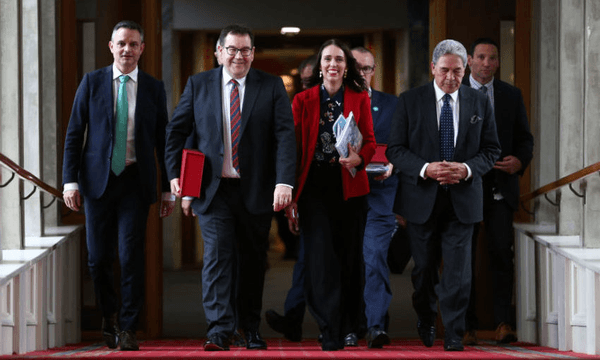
[(244, 126), (381, 221)]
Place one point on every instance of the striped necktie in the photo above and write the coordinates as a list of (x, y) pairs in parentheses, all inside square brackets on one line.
[(235, 119), (120, 143)]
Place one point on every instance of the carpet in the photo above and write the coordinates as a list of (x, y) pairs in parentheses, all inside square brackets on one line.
[(307, 349)]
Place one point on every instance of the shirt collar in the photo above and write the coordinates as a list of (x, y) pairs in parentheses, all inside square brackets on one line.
[(227, 78), (439, 93), (338, 97), (476, 85), (132, 75)]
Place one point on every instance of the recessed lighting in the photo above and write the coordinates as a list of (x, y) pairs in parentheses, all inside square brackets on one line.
[(290, 30)]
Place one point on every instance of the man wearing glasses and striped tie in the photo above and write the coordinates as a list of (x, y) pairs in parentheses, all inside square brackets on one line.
[(245, 128)]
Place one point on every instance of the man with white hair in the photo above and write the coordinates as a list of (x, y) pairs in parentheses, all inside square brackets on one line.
[(443, 139)]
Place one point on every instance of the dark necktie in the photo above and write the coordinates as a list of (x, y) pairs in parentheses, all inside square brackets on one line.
[(483, 89), (235, 119), (120, 144), (446, 131)]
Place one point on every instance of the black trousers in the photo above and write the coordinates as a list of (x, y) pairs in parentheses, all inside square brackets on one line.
[(442, 237), (333, 230)]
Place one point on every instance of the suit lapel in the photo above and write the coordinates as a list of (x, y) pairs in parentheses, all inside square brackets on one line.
[(106, 89), (375, 111), (216, 88), (466, 110), (253, 84)]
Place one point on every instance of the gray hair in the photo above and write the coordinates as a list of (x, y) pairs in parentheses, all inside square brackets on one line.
[(451, 47)]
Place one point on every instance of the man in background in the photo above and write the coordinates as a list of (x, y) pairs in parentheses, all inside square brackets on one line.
[(381, 221), (500, 187)]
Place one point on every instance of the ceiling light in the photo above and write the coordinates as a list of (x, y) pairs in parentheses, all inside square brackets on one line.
[(290, 30)]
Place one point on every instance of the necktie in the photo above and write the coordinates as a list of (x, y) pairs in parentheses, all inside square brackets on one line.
[(483, 89), (235, 119), (446, 131), (120, 143)]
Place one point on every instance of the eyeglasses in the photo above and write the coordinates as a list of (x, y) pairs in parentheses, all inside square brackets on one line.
[(366, 69), (232, 51)]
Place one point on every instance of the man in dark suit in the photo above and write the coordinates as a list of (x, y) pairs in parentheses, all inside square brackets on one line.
[(248, 173), (443, 139), (500, 186), (117, 123), (381, 221)]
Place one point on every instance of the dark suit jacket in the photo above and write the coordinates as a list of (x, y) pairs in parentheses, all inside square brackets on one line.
[(414, 141), (514, 135), (307, 108), (382, 195), (93, 110), (266, 147)]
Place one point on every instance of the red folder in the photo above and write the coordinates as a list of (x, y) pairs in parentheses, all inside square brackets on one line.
[(190, 180), (379, 156)]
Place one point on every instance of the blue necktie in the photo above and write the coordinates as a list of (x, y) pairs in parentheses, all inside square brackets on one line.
[(120, 143), (446, 131)]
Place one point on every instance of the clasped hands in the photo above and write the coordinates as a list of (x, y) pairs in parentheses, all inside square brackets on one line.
[(446, 173)]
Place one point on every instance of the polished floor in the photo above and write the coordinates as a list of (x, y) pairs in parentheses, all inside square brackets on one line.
[(184, 315)]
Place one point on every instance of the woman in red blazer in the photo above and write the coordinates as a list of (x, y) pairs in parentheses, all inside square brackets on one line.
[(329, 203)]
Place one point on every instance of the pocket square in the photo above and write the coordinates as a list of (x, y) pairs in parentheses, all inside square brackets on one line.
[(475, 118)]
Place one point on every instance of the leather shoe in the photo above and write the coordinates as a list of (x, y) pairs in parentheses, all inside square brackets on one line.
[(470, 338), (453, 345), (505, 334), (351, 340), (291, 330), (320, 338), (376, 338), (216, 342), (238, 339), (129, 341), (110, 331), (254, 341), (426, 333)]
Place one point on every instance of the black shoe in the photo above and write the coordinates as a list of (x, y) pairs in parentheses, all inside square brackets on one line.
[(426, 333), (376, 338), (110, 331), (216, 342), (351, 340), (254, 341), (320, 338), (453, 345), (291, 330), (129, 341), (238, 339)]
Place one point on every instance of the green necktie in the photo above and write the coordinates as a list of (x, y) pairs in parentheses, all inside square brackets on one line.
[(120, 143)]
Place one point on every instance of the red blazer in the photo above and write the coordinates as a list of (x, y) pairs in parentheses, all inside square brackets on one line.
[(307, 108)]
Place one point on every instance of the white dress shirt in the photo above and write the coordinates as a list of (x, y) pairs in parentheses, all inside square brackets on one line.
[(228, 169)]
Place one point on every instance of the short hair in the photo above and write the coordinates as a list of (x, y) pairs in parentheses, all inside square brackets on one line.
[(309, 61), (235, 30), (449, 47), (128, 24), (485, 41), (363, 50), (352, 80)]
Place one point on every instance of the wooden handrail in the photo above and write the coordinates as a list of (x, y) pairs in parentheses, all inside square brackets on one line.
[(561, 182), (26, 175)]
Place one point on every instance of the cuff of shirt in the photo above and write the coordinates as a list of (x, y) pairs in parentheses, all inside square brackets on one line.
[(469, 173), (70, 186), (190, 198), (423, 169), (286, 185)]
